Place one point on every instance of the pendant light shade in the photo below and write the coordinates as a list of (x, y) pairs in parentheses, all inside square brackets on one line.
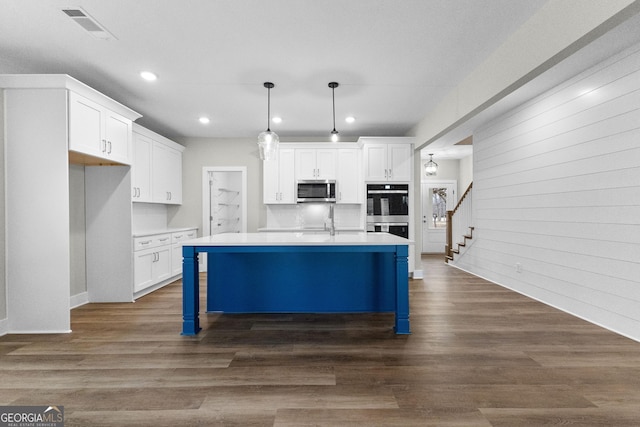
[(431, 167), (268, 141), (334, 132)]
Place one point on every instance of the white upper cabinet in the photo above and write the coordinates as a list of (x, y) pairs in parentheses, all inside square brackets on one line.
[(156, 168), (311, 163), (349, 178), (279, 178), (97, 131), (166, 174), (141, 168), (388, 161)]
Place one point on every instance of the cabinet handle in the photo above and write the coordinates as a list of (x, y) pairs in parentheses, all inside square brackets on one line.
[(390, 173), (178, 236), (164, 240), (104, 145), (109, 152), (146, 242)]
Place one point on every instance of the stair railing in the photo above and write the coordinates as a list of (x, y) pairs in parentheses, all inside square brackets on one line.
[(459, 221)]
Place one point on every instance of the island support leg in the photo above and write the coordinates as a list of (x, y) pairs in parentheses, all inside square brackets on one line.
[(190, 291), (402, 290)]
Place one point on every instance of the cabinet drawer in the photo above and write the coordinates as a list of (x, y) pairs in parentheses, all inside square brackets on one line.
[(153, 241), (180, 236)]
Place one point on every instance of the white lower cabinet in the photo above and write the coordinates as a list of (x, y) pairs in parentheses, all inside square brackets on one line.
[(176, 249), (157, 258), (150, 267)]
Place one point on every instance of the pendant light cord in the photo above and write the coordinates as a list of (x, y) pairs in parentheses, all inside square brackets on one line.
[(333, 95), (268, 107)]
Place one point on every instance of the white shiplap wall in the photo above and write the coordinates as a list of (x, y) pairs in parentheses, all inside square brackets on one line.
[(557, 196)]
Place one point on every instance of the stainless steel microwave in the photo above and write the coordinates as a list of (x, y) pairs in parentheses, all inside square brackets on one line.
[(318, 191)]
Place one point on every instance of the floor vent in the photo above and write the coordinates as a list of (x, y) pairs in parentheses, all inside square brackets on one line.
[(92, 26)]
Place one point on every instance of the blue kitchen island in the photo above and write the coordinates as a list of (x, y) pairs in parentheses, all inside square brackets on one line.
[(298, 273)]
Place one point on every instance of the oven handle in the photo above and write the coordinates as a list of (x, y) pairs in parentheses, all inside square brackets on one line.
[(389, 223), (387, 192)]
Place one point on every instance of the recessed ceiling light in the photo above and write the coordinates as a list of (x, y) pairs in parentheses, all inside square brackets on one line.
[(204, 120), (148, 76), (350, 119), (277, 120)]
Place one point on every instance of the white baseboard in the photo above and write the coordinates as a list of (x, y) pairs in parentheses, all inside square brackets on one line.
[(417, 274), (155, 287), (4, 327), (79, 299)]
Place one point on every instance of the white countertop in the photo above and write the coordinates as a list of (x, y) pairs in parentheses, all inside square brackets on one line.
[(161, 231), (299, 239), (308, 229)]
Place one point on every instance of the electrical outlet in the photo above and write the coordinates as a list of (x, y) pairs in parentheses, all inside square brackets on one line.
[(518, 267)]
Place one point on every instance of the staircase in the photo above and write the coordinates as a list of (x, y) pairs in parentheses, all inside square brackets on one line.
[(456, 249), (459, 226)]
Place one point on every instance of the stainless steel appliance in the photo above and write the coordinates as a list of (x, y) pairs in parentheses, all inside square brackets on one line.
[(388, 209), (316, 191)]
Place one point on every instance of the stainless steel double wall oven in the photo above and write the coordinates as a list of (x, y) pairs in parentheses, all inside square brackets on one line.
[(388, 208)]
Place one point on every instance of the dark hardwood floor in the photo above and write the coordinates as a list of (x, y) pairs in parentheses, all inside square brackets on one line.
[(479, 355)]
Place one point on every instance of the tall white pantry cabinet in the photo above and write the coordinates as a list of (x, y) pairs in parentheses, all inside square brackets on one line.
[(40, 120)]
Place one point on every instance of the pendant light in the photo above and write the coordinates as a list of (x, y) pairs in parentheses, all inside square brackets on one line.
[(431, 167), (334, 132), (268, 141)]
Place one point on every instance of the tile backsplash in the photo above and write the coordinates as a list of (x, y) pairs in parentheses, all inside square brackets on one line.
[(313, 215)]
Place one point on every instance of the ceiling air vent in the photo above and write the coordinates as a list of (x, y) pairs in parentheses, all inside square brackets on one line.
[(89, 24)]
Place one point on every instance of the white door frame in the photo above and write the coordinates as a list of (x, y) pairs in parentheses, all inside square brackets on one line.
[(206, 203), (206, 227)]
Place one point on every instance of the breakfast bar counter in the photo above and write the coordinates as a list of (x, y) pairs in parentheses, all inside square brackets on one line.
[(349, 272)]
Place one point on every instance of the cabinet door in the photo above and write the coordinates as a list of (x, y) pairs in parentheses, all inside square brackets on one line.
[(326, 163), (175, 176), (141, 169), (375, 162), (166, 173), (162, 264), (160, 170), (143, 269), (348, 177), (117, 134), (286, 176), (85, 126), (305, 163), (176, 259), (278, 178), (270, 181), (399, 162)]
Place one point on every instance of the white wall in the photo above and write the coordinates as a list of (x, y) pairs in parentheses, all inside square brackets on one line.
[(466, 174), (3, 283), (559, 29), (557, 191), (77, 221), (201, 152)]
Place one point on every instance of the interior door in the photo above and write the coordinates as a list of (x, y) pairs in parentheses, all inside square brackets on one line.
[(437, 198)]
